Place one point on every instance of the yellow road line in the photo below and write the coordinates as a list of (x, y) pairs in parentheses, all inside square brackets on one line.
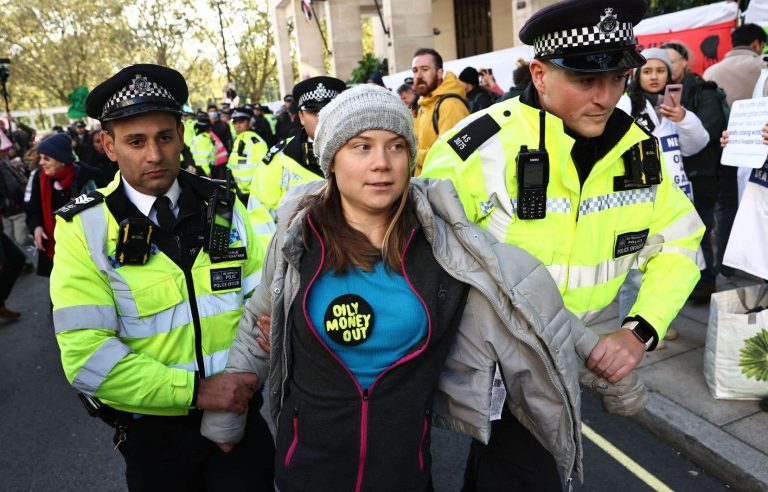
[(625, 460)]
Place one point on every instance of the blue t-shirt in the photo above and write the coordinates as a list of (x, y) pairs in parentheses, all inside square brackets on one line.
[(369, 319)]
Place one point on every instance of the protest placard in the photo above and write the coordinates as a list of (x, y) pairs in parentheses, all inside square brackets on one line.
[(745, 142)]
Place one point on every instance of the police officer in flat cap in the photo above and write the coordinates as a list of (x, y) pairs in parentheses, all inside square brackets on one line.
[(148, 287), (291, 161), (559, 172)]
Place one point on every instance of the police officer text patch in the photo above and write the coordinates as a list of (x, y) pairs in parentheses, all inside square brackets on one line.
[(472, 136), (226, 278), (232, 254), (349, 320), (629, 242)]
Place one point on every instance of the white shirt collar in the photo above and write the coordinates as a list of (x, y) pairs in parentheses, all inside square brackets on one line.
[(144, 202)]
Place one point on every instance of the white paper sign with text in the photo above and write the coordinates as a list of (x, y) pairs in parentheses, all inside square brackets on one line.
[(745, 142)]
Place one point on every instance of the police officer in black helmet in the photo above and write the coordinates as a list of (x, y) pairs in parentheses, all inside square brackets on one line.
[(291, 161), (589, 204)]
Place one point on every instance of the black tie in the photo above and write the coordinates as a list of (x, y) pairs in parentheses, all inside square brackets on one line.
[(165, 217)]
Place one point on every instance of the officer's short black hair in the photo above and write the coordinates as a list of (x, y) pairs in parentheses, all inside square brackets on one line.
[(746, 34), (404, 88), (435, 55)]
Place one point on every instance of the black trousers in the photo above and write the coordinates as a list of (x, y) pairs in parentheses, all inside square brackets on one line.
[(512, 461), (11, 263), (169, 454)]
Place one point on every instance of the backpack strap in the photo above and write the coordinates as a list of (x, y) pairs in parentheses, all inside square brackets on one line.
[(436, 113)]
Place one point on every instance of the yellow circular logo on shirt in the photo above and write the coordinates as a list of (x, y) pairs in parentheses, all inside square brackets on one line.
[(349, 320)]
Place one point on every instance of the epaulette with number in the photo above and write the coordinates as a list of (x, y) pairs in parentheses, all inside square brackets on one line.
[(274, 151), (472, 136), (78, 204)]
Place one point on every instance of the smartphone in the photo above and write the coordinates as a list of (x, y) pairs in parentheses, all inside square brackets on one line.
[(672, 91)]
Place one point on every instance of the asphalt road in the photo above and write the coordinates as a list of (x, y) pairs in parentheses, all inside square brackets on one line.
[(48, 443)]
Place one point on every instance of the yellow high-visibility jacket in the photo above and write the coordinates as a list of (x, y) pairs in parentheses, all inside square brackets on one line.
[(248, 150), (279, 171), (593, 233), (138, 337)]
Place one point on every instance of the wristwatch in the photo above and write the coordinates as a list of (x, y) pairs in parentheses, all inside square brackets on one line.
[(641, 332)]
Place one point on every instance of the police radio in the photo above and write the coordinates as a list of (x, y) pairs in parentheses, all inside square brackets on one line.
[(218, 219), (533, 178)]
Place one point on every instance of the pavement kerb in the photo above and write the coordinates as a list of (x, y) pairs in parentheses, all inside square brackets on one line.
[(719, 453)]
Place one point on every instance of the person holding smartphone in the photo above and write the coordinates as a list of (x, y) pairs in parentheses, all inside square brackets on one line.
[(655, 105)]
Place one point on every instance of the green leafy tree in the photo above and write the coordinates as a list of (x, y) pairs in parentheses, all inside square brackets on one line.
[(166, 34), (366, 67), (60, 46), (249, 37)]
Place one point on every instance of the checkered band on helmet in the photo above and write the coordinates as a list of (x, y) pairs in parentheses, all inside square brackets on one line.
[(581, 37), (236, 115), (321, 93), (139, 87)]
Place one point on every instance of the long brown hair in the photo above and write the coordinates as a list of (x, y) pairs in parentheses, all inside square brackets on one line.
[(345, 246)]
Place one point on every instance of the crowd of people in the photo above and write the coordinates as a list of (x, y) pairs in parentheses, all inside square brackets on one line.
[(384, 260)]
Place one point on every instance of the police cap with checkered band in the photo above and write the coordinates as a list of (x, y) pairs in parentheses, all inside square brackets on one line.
[(135, 90), (587, 35), (314, 93)]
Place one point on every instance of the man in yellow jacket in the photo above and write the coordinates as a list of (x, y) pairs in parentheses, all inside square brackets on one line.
[(147, 296), (561, 174), (442, 103)]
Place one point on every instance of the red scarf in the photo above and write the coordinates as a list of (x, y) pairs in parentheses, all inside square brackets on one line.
[(64, 178)]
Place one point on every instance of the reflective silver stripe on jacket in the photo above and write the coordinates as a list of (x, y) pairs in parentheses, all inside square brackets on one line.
[(251, 282), (264, 228), (241, 224), (590, 276), (554, 205), (214, 363), (99, 364), (617, 199), (663, 241), (95, 229), (85, 316), (179, 315), (495, 188)]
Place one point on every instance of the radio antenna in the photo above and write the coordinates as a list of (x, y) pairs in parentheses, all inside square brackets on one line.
[(542, 123)]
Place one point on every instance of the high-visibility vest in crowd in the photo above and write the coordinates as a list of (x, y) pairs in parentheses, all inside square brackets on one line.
[(248, 150), (189, 131), (593, 233), (135, 336), (272, 121), (208, 151), (276, 174)]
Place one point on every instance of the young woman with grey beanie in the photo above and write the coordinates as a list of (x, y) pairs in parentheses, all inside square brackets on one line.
[(389, 312)]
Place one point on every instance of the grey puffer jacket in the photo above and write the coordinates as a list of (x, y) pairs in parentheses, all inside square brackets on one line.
[(514, 317)]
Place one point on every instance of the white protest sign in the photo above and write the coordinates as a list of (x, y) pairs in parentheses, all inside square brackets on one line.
[(745, 142)]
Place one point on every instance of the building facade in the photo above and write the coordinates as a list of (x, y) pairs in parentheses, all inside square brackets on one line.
[(455, 28)]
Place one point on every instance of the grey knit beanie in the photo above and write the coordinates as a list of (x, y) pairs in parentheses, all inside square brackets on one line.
[(361, 108), (658, 54)]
